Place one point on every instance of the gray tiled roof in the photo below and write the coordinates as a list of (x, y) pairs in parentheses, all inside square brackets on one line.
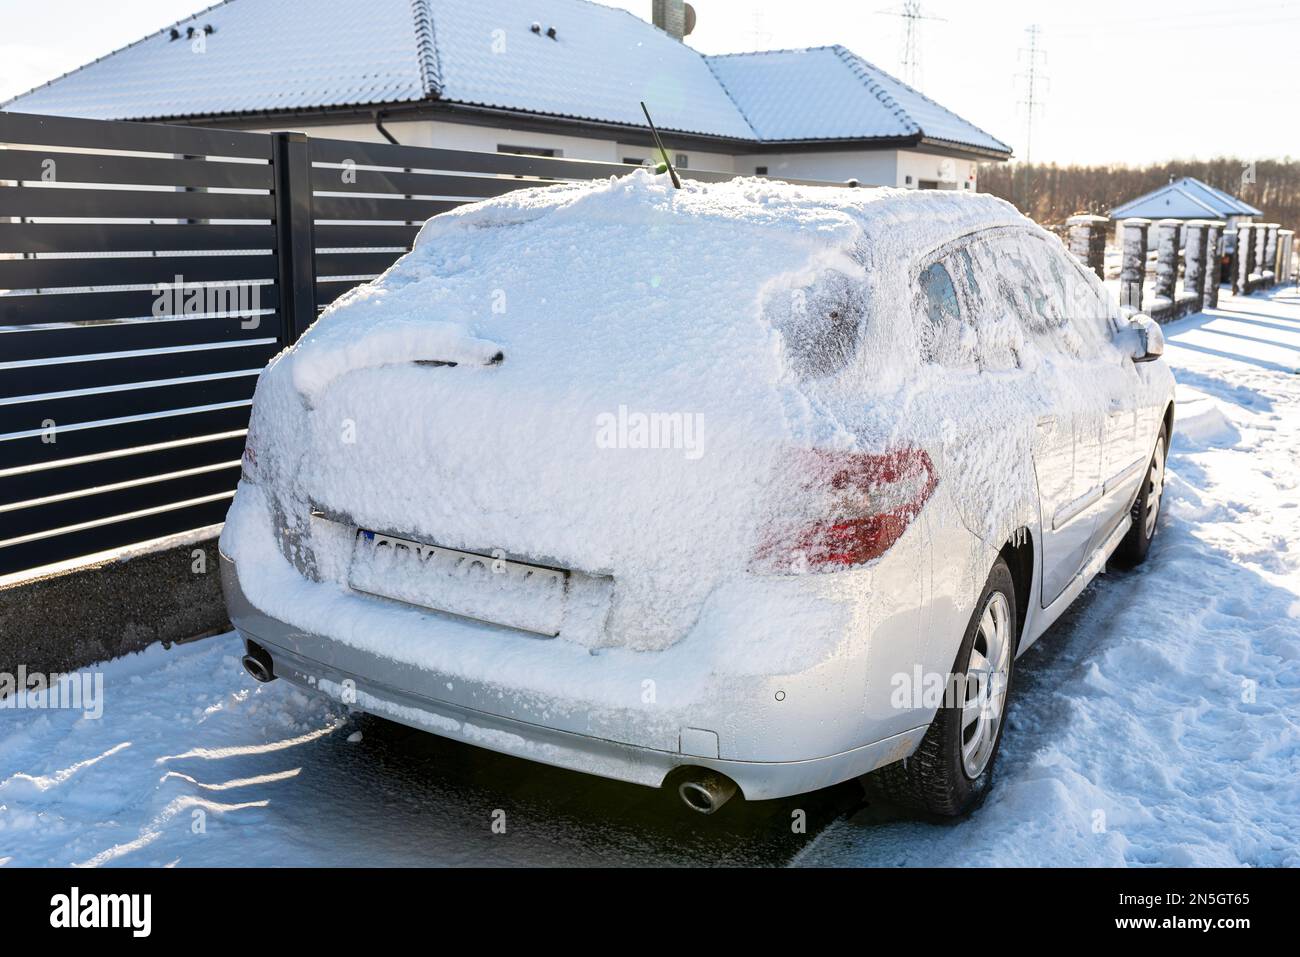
[(287, 55), (831, 93)]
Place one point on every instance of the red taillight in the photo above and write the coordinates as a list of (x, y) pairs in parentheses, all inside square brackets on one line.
[(860, 505)]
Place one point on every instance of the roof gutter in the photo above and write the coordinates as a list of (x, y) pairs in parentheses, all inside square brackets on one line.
[(545, 122), (963, 150)]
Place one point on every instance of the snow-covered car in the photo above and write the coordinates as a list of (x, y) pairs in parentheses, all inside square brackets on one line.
[(739, 486)]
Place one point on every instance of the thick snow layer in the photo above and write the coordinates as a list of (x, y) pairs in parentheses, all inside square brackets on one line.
[(627, 298), (1155, 724)]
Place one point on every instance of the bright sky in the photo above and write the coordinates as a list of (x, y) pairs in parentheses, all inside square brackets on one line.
[(1187, 56)]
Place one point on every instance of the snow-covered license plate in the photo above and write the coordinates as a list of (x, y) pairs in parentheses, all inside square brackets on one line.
[(484, 587)]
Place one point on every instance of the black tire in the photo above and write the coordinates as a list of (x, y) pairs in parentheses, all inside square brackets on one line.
[(1132, 550), (934, 779)]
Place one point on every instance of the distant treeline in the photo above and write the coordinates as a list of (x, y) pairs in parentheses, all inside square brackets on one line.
[(1048, 193)]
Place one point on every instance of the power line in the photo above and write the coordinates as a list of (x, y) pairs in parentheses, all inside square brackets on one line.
[(1036, 83), (912, 15)]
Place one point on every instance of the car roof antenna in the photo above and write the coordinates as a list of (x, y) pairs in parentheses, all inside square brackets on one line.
[(677, 183)]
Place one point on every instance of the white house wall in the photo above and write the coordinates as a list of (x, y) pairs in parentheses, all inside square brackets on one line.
[(949, 173), (883, 167), (696, 159), (869, 167)]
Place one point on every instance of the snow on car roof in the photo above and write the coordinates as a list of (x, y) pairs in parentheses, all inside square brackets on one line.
[(924, 216)]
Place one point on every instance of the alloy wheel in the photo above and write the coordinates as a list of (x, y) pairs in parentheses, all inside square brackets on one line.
[(1155, 486), (986, 685)]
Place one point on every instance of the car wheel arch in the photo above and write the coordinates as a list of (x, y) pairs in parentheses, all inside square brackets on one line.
[(1020, 556)]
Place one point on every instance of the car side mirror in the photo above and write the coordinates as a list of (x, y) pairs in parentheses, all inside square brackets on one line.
[(1150, 341)]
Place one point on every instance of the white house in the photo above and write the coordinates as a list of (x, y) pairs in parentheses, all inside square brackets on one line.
[(547, 77)]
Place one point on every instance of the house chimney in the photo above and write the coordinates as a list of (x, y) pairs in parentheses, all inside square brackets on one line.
[(674, 17)]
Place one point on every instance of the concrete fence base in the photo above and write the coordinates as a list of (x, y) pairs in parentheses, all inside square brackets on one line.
[(68, 620)]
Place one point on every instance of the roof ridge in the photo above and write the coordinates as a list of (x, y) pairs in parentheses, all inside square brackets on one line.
[(734, 102), (1184, 184), (426, 48), (1199, 202), (911, 89), (134, 43), (722, 56), (858, 66), (1235, 203)]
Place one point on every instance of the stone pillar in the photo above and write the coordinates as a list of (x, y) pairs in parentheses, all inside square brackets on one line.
[(1261, 239), (1285, 246), (1166, 282), (1270, 249), (1213, 262), (1194, 262), (1088, 241), (1133, 239), (1245, 258)]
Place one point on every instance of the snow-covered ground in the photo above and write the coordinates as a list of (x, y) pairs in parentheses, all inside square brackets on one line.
[(1158, 723)]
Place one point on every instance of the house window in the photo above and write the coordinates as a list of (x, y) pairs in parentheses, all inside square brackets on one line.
[(636, 160), (682, 161), (907, 181), (528, 150), (928, 184), (760, 170)]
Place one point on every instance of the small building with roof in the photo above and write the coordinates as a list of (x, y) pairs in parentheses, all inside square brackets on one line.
[(1187, 198)]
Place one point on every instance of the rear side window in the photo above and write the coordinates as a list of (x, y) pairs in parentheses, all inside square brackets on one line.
[(941, 306), (939, 315)]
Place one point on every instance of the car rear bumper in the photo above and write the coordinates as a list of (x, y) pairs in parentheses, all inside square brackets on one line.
[(420, 697)]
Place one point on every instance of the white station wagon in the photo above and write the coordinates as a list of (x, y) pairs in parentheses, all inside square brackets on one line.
[(741, 487)]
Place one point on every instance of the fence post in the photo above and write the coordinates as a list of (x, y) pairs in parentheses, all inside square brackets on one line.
[(1261, 240), (1285, 244), (1270, 250), (1245, 257), (1213, 263), (1194, 263), (295, 246), (1088, 241), (1166, 259), (1133, 239)]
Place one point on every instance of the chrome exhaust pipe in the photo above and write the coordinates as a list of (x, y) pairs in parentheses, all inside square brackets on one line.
[(258, 663), (706, 791)]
